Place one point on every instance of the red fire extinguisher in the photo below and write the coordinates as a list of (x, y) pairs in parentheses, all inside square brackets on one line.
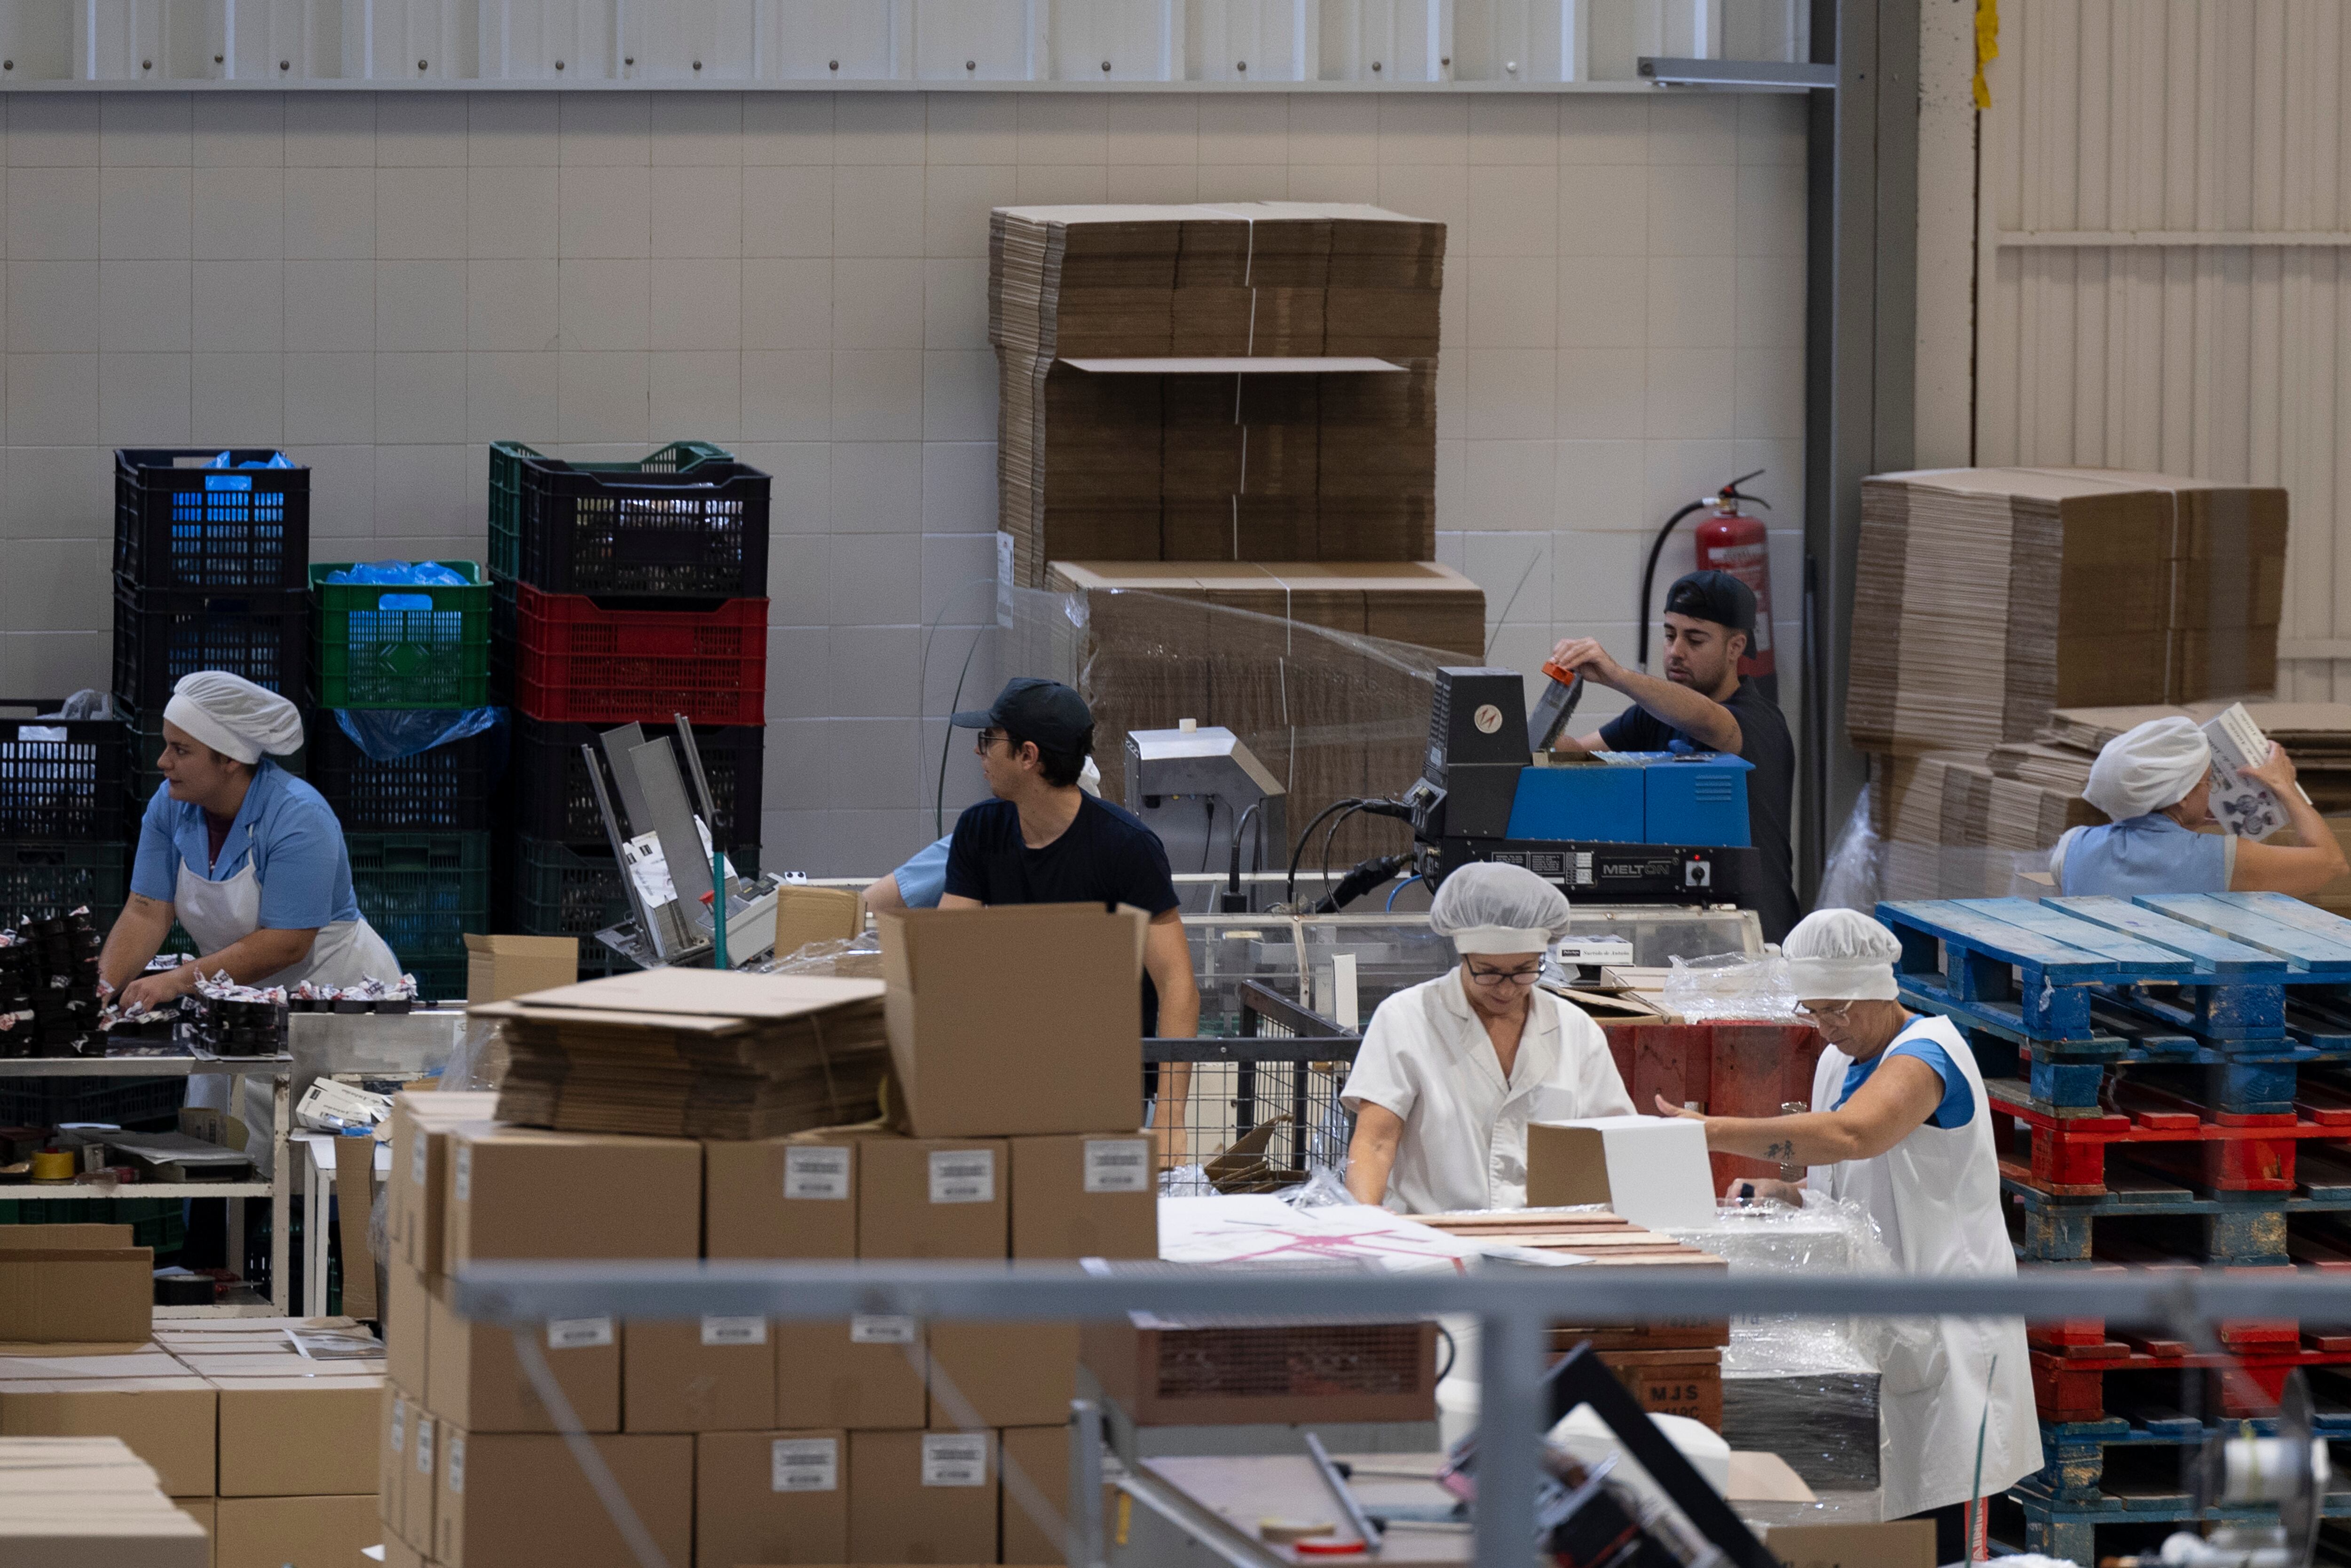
[(1729, 541)]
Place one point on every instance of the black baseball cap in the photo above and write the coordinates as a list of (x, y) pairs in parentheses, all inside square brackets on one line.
[(1715, 596), (1045, 712)]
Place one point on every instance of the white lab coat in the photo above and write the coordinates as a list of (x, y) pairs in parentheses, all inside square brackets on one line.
[(1426, 1058), (1935, 1198)]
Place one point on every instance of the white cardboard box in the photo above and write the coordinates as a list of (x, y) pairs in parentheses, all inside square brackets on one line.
[(1650, 1170)]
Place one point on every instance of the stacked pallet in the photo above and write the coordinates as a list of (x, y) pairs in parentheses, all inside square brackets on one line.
[(1109, 449), (2205, 1127), (1989, 597)]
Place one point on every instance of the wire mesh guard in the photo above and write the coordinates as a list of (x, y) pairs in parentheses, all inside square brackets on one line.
[(1268, 1360), (1262, 1111)]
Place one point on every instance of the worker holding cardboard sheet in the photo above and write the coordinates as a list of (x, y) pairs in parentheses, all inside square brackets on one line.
[(1044, 840), (1900, 1125), (2156, 782), (1452, 1070)]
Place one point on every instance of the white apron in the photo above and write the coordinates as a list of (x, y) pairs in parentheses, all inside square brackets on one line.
[(1935, 1197), (218, 913)]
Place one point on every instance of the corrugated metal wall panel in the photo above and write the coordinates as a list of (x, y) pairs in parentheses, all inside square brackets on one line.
[(2162, 263)]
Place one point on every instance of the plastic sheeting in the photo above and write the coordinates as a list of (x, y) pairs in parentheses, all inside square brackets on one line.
[(1730, 986), (388, 734), (403, 573)]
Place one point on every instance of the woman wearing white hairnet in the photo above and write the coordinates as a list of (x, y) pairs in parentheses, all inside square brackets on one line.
[(1452, 1070), (249, 859), (1899, 1125), (2156, 782)]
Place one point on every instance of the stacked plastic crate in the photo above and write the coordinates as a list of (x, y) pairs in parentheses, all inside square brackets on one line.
[(2169, 1080), (621, 593), (211, 547), (417, 825), (62, 812)]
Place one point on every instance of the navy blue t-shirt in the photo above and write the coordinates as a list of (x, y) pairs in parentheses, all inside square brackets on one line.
[(1106, 856)]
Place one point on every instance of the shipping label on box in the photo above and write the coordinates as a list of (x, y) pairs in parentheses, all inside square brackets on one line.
[(920, 1197), (771, 1496), (476, 1380), (922, 1496), (783, 1198), (1084, 1196)]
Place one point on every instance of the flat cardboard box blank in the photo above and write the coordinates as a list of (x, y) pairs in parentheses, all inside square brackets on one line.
[(203, 1509), (910, 1203), (1042, 1453), (1085, 1196), (963, 1030), (355, 1179), (130, 1361), (166, 1421), (273, 1532), (298, 1437), (806, 914), (61, 1295), (499, 966), (475, 1379), (523, 1192), (1897, 1543), (1012, 1374), (166, 1537), (673, 1382), (760, 1200), (520, 1500), (894, 1518), (739, 1514), (1650, 1170), (826, 1377)]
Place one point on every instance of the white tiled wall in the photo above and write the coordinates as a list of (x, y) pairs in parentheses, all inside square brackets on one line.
[(383, 283)]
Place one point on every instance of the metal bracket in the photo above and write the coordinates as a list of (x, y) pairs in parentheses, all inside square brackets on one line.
[(1786, 76)]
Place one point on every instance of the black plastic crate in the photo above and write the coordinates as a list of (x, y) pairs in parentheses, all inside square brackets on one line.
[(423, 891), (180, 522), (44, 877), (146, 732), (161, 634), (49, 1102), (60, 777), (553, 800), (446, 789), (698, 532), (555, 891)]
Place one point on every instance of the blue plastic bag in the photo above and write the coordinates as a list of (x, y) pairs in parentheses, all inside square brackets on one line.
[(404, 573), (388, 734), (276, 460)]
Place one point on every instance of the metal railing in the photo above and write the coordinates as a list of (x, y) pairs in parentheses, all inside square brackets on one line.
[(1280, 1078)]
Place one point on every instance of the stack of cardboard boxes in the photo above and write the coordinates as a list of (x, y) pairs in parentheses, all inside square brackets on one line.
[(92, 1503), (750, 1440)]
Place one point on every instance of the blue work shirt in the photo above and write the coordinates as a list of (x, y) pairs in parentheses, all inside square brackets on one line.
[(2143, 854), (922, 879), (285, 829), (1957, 1107)]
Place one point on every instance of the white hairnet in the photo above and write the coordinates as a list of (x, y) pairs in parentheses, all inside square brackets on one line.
[(2149, 768), (234, 716), (1841, 956), (1489, 908)]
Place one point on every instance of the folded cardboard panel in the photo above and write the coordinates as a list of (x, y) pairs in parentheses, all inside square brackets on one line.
[(166, 1421)]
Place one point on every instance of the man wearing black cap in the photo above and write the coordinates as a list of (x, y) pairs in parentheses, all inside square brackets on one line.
[(1045, 841), (1703, 704)]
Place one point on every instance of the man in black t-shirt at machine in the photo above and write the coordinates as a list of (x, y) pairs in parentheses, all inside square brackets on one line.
[(1044, 841), (1704, 705)]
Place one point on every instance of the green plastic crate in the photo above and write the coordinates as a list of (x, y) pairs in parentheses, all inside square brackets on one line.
[(506, 460), (386, 645), (423, 891)]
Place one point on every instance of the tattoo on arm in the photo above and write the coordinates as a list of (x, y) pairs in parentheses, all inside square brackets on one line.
[(1783, 1150)]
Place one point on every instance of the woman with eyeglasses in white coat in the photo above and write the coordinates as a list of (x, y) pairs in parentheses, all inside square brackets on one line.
[(1452, 1070)]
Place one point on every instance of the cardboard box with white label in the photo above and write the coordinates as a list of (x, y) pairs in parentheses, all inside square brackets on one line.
[(709, 1374), (922, 1496), (864, 1374), (1084, 1194), (793, 1196), (933, 1198), (770, 1497), (1650, 1170), (475, 1380)]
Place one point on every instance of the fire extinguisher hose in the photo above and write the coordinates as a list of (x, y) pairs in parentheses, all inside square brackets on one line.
[(1648, 581)]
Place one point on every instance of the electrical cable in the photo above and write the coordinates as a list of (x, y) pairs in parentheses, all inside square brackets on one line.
[(1648, 581), (1331, 837), (1389, 908), (1365, 875), (1208, 836), (1452, 1353), (1297, 850), (939, 805), (1240, 830)]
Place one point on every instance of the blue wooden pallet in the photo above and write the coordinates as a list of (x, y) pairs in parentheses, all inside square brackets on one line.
[(2250, 1231), (2037, 971), (2077, 1451), (2068, 1529)]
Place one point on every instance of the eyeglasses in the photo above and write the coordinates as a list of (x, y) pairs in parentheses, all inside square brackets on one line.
[(1527, 976), (988, 738), (1837, 1014)]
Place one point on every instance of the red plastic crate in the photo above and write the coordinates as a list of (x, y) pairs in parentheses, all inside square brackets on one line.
[(578, 663)]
